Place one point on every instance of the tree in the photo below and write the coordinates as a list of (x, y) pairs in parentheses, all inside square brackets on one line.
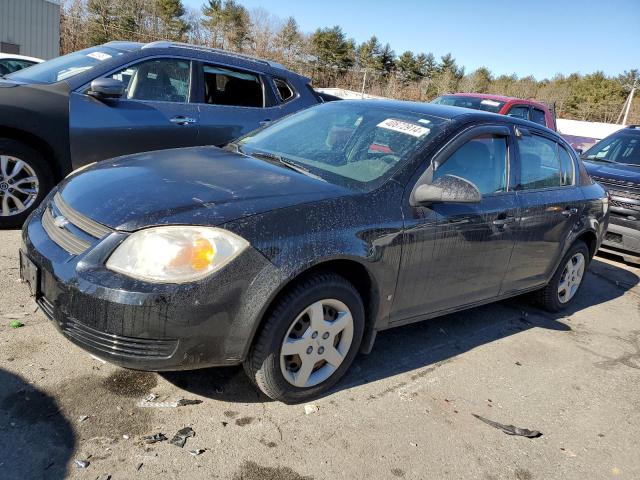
[(387, 58), (331, 48), (408, 67), (169, 14), (228, 24), (289, 39), (101, 16), (368, 54), (477, 81)]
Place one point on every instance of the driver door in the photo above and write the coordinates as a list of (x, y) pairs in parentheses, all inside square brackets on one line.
[(457, 254), (154, 113)]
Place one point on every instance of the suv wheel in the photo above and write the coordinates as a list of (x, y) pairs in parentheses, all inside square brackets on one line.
[(309, 340), (25, 179), (563, 287)]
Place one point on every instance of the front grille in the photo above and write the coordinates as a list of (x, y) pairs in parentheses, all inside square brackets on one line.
[(616, 184), (46, 306), (613, 237), (58, 215), (119, 345), (621, 204)]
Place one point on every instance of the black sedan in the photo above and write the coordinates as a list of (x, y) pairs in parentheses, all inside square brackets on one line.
[(290, 248)]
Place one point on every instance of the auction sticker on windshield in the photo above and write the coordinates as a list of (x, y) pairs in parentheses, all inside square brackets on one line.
[(404, 127), (99, 55)]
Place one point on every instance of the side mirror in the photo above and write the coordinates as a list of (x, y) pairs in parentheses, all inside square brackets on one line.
[(447, 189), (104, 88)]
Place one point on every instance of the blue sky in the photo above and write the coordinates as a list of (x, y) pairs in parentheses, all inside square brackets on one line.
[(541, 38)]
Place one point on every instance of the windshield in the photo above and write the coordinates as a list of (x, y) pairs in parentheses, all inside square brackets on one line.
[(485, 104), (619, 148), (66, 66), (354, 144)]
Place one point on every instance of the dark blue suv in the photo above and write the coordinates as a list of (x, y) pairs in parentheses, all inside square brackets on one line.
[(614, 162), (125, 97)]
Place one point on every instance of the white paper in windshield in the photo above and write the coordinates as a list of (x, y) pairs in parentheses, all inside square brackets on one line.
[(404, 127), (491, 103), (99, 56)]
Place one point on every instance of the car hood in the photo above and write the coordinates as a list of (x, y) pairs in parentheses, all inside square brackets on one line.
[(619, 172), (195, 186)]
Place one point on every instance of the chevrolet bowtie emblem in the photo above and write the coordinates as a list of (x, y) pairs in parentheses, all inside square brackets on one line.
[(60, 221)]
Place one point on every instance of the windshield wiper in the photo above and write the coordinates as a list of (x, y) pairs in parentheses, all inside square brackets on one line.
[(603, 160), (272, 157)]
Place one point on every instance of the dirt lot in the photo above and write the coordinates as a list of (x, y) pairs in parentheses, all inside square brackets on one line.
[(405, 411)]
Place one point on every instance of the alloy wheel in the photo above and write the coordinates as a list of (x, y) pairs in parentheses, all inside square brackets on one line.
[(316, 343), (571, 277), (19, 186)]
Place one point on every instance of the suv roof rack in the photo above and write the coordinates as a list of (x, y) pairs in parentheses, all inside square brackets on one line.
[(201, 48)]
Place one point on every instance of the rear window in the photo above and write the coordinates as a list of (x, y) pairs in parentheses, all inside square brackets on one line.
[(537, 116), (485, 104), (285, 92)]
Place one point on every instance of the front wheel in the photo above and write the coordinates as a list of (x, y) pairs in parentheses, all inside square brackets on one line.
[(565, 284), (25, 179), (309, 340)]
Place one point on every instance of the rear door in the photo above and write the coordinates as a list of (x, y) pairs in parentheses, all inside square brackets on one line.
[(550, 202), (154, 113), (457, 254), (232, 102)]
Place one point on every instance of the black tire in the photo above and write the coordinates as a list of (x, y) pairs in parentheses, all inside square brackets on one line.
[(263, 362), (548, 297), (37, 162)]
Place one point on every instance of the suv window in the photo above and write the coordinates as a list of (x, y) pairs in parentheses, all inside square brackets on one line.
[(622, 147), (482, 161), (519, 111), (285, 92), (539, 163), (10, 65), (161, 80), (224, 86), (537, 116)]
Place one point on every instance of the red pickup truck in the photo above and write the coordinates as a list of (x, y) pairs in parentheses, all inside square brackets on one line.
[(514, 107)]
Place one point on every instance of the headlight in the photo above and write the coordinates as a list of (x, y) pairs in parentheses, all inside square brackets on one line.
[(175, 254)]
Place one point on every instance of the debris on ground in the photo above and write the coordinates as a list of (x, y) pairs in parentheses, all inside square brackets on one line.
[(155, 438), (126, 437), (82, 418), (139, 466), (310, 408), (104, 477), (510, 429), (82, 463), (197, 452), (16, 324), (150, 402), (180, 438)]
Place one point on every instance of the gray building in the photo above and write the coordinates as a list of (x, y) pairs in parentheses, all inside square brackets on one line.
[(30, 27)]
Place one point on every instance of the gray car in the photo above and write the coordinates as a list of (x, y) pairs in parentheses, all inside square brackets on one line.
[(124, 97)]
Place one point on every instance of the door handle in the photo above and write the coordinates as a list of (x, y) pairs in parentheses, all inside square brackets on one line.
[(569, 211), (504, 221), (182, 120)]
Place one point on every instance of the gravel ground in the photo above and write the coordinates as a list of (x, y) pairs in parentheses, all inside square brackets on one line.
[(404, 411)]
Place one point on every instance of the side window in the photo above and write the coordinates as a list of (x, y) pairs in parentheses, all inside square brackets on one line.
[(224, 86), (285, 92), (537, 116), (519, 111), (161, 80), (539, 163), (567, 167), (482, 161)]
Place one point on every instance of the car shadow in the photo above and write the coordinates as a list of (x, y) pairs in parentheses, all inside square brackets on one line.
[(431, 342), (37, 441)]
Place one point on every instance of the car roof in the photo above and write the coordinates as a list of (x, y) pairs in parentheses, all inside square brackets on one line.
[(448, 112), (21, 57), (499, 98), (238, 59)]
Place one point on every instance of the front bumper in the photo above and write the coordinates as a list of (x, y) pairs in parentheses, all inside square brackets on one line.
[(147, 326), (623, 238)]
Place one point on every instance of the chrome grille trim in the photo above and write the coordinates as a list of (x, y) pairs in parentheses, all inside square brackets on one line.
[(62, 237), (83, 223)]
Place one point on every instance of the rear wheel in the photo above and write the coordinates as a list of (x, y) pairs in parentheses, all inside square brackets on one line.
[(565, 284), (309, 340), (25, 179)]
